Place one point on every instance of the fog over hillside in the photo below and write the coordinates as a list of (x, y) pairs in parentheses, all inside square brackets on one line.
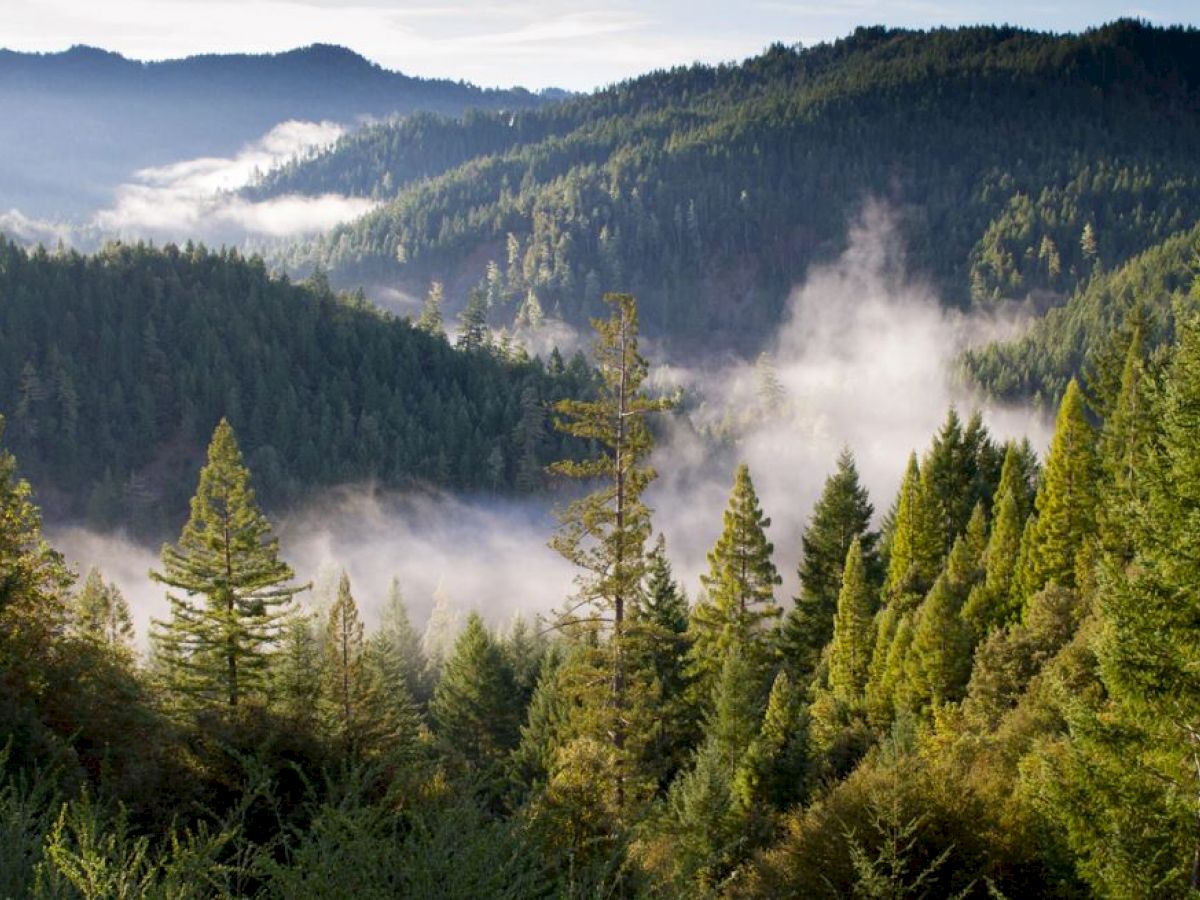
[(864, 361)]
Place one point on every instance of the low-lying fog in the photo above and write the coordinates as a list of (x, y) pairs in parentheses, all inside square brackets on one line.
[(862, 359)]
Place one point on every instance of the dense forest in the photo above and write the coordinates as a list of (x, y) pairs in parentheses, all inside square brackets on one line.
[(1018, 162), (994, 695), (1148, 293), (114, 368)]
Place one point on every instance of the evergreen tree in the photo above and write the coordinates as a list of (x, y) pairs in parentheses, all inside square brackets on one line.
[(441, 632), (841, 516), (236, 593), (741, 583), (297, 675), (344, 687), (431, 320), (659, 643), (394, 726), (472, 322), (604, 533), (100, 612), (853, 630), (992, 603), (1066, 500), (404, 643), (474, 706), (938, 664), (914, 554), (1149, 608)]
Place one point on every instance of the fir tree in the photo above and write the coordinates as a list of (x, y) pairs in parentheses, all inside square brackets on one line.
[(472, 322), (841, 516), (344, 685), (604, 533), (992, 603), (296, 676), (441, 631), (1066, 501), (853, 630), (659, 643), (914, 556), (101, 613), (1149, 608), (431, 320), (236, 593), (404, 643), (741, 583), (474, 706)]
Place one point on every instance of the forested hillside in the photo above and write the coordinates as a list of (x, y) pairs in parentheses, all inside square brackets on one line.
[(114, 368), (1018, 161), (996, 695), (1148, 294)]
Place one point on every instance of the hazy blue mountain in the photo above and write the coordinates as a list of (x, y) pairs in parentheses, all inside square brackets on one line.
[(85, 119)]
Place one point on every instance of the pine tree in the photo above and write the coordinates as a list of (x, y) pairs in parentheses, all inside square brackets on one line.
[(236, 593), (344, 687), (741, 583), (841, 516), (472, 322), (296, 676), (853, 630), (441, 632), (404, 643), (1066, 500), (431, 320), (915, 551), (659, 643), (604, 533), (101, 613), (474, 706), (991, 603)]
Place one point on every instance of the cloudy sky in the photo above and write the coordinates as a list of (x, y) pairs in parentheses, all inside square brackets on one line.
[(578, 44)]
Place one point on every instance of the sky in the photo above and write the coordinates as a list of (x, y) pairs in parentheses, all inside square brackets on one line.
[(574, 44)]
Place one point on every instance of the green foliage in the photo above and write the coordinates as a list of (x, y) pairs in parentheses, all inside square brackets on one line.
[(474, 704), (841, 516), (739, 610), (115, 367), (679, 184), (1065, 503), (853, 630), (236, 595)]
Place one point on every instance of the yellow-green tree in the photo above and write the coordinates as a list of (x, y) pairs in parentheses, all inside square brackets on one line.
[(231, 593)]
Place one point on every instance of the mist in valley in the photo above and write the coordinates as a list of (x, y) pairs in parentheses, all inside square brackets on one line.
[(863, 359)]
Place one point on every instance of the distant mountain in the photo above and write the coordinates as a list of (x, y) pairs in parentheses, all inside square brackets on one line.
[(709, 191), (85, 119)]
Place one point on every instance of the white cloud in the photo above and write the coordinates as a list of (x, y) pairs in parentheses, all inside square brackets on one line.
[(197, 198)]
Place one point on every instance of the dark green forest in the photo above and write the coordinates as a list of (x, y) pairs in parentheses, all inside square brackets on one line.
[(115, 367), (993, 696), (1017, 161)]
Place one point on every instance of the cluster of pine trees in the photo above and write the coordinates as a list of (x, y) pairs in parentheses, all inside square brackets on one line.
[(994, 695)]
